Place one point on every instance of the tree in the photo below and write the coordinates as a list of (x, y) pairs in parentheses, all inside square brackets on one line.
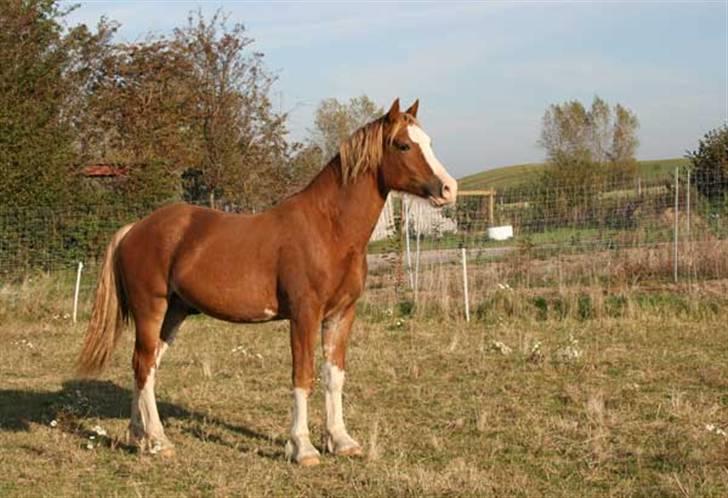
[(603, 136), (192, 112), (46, 71), (43, 70), (243, 151), (710, 164), (335, 121), (141, 116), (585, 150)]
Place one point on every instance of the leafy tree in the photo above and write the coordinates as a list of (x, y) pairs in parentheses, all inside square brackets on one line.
[(585, 149), (305, 163), (195, 109), (243, 151), (141, 117), (710, 164), (335, 121), (45, 71)]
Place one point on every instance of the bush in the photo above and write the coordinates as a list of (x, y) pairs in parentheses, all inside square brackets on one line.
[(710, 165)]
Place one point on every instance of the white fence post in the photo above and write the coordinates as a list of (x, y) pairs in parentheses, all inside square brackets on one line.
[(406, 212), (677, 216), (687, 204), (75, 293), (465, 285)]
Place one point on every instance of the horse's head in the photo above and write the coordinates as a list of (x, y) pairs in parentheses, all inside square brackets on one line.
[(408, 162)]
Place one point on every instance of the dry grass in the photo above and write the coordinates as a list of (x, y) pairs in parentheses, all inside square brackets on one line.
[(508, 406)]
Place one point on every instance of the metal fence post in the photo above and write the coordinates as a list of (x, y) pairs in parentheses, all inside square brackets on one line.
[(465, 285), (677, 214), (76, 290)]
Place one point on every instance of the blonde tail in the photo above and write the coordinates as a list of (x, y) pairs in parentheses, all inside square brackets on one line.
[(108, 316)]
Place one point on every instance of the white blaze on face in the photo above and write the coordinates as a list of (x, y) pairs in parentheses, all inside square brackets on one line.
[(450, 186)]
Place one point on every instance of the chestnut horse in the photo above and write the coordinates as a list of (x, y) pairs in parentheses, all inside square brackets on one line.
[(303, 260)]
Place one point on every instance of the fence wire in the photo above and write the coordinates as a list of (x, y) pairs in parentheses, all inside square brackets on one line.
[(610, 234)]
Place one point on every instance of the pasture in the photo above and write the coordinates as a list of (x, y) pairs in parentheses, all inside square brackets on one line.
[(510, 404), (519, 174)]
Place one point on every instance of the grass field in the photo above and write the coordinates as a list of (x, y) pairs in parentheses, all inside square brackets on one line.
[(627, 405), (511, 176)]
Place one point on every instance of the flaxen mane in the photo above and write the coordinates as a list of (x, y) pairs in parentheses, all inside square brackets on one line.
[(363, 150)]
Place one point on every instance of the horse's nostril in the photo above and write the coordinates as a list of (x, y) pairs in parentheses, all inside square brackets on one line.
[(445, 190)]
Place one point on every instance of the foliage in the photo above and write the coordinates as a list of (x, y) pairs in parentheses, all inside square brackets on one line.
[(243, 151), (43, 69), (710, 165), (585, 148), (197, 106), (335, 121), (185, 117)]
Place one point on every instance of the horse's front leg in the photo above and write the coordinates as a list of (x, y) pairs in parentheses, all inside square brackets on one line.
[(304, 329), (335, 337)]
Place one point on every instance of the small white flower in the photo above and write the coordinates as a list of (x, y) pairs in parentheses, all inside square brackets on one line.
[(501, 347), (100, 431), (89, 446), (54, 423)]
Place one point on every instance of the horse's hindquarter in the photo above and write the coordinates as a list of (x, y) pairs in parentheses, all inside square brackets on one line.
[(226, 267)]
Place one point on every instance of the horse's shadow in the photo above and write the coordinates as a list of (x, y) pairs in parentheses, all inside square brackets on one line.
[(81, 399)]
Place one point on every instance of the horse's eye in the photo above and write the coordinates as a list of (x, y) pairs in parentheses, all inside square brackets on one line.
[(402, 147)]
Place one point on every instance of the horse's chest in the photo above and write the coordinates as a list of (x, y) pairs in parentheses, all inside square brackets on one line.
[(348, 285)]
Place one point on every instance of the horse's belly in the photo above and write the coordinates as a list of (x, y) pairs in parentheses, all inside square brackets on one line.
[(243, 301)]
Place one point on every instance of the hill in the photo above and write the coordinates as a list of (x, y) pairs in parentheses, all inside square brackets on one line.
[(510, 176)]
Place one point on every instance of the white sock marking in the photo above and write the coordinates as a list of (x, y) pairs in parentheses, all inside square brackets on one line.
[(300, 413), (333, 378), (301, 447), (144, 409)]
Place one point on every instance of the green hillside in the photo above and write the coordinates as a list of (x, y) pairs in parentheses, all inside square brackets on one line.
[(510, 176)]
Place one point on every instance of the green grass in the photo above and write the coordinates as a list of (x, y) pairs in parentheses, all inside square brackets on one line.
[(511, 176), (619, 405)]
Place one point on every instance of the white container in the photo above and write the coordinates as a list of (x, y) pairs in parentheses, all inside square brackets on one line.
[(504, 232)]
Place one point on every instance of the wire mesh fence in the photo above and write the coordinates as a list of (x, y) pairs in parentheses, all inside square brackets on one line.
[(607, 235), (603, 236)]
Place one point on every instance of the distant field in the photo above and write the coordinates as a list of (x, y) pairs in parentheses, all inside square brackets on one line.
[(510, 176)]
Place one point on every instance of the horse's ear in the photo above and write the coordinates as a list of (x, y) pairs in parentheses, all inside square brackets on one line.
[(412, 111), (393, 112)]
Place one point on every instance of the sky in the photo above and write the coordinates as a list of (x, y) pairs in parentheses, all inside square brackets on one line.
[(484, 72)]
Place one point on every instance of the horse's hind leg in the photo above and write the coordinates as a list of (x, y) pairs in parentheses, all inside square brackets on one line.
[(155, 328)]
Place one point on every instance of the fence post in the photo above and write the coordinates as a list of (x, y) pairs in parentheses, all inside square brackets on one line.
[(687, 203), (75, 293), (406, 212), (677, 214), (465, 285)]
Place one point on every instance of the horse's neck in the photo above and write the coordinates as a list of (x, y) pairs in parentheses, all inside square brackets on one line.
[(351, 210)]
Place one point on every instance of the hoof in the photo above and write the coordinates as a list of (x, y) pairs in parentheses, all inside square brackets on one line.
[(351, 451), (347, 447), (309, 461), (167, 453)]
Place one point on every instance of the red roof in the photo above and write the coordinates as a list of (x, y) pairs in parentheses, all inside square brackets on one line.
[(103, 170)]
